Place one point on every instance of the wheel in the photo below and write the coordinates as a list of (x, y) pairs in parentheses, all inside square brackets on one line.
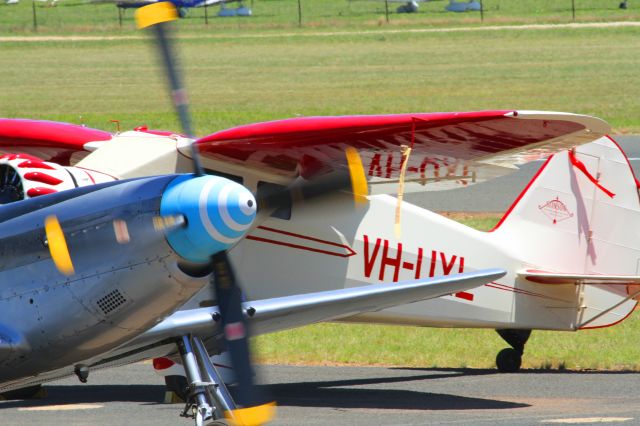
[(31, 392), (177, 385), (508, 360), (219, 422)]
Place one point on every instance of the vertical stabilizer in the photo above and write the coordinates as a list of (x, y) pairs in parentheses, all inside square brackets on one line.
[(580, 214)]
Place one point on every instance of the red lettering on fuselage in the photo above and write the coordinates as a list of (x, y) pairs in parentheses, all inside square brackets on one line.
[(440, 263), (447, 266), (370, 260), (390, 261), (432, 270)]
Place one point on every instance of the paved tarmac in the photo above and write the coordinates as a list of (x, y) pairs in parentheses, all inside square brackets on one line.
[(354, 396), (498, 194)]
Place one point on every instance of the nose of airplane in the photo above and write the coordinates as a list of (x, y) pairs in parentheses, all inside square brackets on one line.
[(218, 213)]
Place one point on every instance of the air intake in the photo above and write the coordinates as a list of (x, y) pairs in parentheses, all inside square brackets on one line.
[(111, 302)]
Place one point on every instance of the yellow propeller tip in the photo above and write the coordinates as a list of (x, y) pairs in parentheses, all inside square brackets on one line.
[(58, 245), (252, 416), (358, 178), (155, 13)]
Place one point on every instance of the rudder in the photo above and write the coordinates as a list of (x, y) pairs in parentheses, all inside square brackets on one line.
[(581, 215)]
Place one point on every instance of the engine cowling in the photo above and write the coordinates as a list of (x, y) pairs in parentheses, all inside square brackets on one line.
[(24, 176)]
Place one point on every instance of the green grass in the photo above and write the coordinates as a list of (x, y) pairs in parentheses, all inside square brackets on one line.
[(231, 82), (76, 16), (611, 348)]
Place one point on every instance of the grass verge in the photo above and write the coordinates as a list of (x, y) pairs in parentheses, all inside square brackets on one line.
[(591, 71)]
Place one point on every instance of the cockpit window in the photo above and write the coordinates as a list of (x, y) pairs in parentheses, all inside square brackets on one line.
[(268, 189)]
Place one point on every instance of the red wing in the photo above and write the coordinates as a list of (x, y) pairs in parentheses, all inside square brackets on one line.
[(48, 140), (446, 146)]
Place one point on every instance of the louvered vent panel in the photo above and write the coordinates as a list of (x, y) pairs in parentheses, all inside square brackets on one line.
[(111, 301)]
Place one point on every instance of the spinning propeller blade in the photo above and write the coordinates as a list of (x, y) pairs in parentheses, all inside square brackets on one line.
[(58, 245), (157, 16), (353, 179), (253, 407), (257, 409)]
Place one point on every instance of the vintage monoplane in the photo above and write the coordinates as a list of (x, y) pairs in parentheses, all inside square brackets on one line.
[(111, 254)]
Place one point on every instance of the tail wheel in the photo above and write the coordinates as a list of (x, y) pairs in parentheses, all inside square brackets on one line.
[(508, 360)]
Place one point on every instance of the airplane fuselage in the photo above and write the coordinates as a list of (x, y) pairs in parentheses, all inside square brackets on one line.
[(126, 277)]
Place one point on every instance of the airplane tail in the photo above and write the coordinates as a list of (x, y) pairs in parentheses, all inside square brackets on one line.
[(577, 224)]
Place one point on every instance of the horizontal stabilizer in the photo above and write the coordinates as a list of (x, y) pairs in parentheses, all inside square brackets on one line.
[(281, 313), (545, 277)]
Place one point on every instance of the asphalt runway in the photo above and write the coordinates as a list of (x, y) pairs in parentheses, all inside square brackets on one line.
[(354, 396), (498, 194)]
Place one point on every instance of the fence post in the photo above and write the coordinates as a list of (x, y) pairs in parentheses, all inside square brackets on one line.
[(299, 13), (206, 13), (573, 9), (119, 15), (386, 9), (481, 11), (35, 18)]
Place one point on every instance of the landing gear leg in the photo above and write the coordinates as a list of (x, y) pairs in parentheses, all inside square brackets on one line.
[(208, 399), (510, 359)]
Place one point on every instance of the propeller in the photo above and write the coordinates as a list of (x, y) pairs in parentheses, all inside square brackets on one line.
[(156, 16), (254, 407)]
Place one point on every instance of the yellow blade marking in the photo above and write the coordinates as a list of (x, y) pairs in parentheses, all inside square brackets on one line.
[(58, 245), (358, 179), (155, 13), (252, 416)]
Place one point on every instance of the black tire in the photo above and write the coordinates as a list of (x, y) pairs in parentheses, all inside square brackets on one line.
[(219, 422), (25, 393), (177, 385), (508, 360)]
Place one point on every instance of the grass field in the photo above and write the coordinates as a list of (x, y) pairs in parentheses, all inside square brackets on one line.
[(79, 16), (591, 71), (326, 344)]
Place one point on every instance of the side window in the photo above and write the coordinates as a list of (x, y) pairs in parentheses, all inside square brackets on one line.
[(267, 189)]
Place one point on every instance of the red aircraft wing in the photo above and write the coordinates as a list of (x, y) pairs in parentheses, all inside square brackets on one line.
[(445, 146), (48, 140)]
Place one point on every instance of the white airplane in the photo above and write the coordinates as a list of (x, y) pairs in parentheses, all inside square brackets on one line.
[(568, 243), (567, 250)]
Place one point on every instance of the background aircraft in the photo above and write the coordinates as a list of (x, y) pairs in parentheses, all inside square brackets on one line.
[(183, 5)]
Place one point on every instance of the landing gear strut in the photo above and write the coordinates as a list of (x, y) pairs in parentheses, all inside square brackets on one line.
[(510, 359), (208, 399)]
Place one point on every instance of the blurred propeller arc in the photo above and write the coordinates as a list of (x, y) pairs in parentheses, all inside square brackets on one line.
[(252, 407)]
